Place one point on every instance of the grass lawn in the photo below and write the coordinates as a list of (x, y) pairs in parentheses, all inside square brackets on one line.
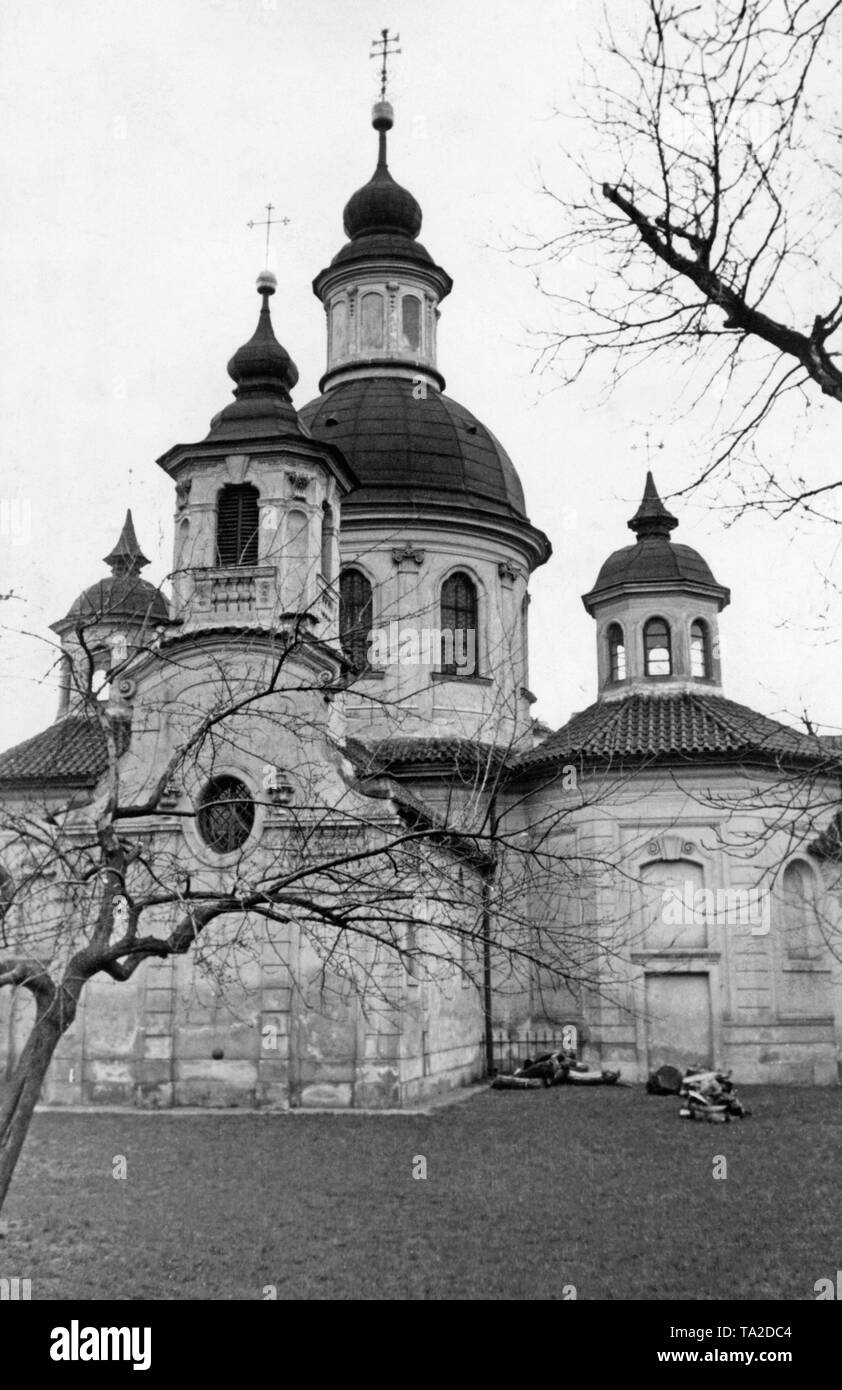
[(525, 1192)]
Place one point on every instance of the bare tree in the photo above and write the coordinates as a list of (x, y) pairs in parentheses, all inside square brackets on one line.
[(703, 219), (376, 880)]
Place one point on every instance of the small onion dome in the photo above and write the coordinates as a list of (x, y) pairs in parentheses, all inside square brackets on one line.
[(382, 206), (261, 366)]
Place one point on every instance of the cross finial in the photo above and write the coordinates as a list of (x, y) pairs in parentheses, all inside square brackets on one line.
[(384, 48), (649, 446), (269, 222)]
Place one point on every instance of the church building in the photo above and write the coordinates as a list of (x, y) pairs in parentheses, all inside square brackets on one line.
[(683, 852)]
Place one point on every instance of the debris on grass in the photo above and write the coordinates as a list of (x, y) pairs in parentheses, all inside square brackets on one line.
[(710, 1096), (555, 1069)]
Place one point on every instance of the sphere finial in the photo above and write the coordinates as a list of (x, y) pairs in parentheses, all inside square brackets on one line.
[(267, 282), (382, 115)]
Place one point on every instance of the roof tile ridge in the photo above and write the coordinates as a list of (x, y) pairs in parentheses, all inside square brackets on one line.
[(57, 726), (707, 706), (745, 711), (609, 726)]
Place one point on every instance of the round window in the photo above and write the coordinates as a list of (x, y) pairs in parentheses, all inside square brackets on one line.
[(226, 814)]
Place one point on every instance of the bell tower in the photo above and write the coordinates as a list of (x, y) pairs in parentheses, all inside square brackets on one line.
[(257, 504)]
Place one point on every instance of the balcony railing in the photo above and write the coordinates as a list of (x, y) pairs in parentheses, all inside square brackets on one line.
[(239, 589)]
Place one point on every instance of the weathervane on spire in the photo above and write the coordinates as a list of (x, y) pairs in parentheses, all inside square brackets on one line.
[(269, 222), (384, 49)]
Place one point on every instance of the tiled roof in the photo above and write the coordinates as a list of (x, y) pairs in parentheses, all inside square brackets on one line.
[(687, 725), (71, 750), (371, 759), (375, 781)]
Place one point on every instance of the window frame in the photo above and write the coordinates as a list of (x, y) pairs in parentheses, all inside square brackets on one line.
[(365, 634), (472, 611), (367, 296), (615, 628), (210, 797), (705, 673), (648, 625), (326, 539), (247, 552), (406, 345), (805, 949)]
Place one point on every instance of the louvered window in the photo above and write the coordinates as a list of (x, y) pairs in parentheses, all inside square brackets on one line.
[(459, 626), (237, 523), (355, 613)]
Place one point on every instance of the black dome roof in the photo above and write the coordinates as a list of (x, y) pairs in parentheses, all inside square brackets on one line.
[(654, 559), (383, 246), (124, 596), (381, 205), (416, 454)]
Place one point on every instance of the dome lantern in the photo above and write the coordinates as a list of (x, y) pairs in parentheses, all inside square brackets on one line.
[(657, 607), (382, 290)]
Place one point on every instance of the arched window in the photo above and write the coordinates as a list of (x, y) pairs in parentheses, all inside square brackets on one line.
[(327, 542), (339, 328), (226, 814), (371, 321), (616, 653), (674, 905), (459, 626), (656, 646), (699, 650), (800, 931), (355, 614), (100, 684), (411, 321), (237, 522)]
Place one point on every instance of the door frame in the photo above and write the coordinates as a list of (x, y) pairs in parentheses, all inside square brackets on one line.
[(680, 963)]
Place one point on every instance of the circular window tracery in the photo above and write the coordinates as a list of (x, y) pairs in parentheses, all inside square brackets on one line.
[(226, 814)]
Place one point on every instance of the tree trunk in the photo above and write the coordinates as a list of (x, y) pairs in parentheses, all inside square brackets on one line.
[(23, 1092)]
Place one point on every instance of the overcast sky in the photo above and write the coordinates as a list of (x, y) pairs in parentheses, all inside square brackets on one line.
[(140, 138)]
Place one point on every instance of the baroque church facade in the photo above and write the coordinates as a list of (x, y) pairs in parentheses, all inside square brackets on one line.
[(385, 527)]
